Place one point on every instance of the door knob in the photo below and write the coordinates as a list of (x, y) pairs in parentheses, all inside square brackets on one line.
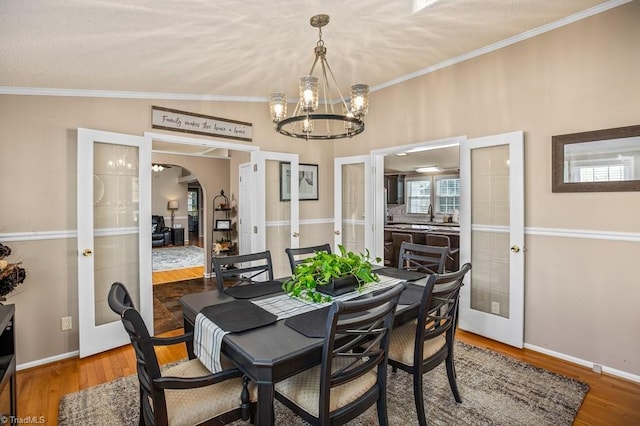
[(87, 252), (515, 248), (336, 232), (296, 235)]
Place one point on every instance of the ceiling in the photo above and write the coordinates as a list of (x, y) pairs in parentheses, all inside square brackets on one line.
[(249, 48), (244, 50)]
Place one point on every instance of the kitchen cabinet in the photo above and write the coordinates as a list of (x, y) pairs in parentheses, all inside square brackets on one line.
[(395, 188)]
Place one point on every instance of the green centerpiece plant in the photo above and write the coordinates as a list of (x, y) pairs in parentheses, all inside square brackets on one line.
[(323, 268)]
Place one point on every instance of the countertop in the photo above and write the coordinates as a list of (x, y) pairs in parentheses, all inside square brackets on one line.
[(423, 227)]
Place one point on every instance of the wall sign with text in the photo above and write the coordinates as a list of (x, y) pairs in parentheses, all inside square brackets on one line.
[(189, 122)]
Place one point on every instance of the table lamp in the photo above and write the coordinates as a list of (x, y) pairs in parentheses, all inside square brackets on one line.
[(173, 205)]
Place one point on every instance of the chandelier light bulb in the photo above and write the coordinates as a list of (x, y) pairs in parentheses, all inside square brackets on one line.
[(307, 126), (360, 99), (309, 93), (278, 106)]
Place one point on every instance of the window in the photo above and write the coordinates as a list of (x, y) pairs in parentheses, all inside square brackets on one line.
[(447, 194), (445, 199), (418, 195)]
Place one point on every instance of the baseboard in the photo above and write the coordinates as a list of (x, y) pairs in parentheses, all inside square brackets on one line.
[(606, 370), (49, 360)]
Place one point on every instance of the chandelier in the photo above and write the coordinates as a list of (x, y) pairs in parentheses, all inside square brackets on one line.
[(310, 122)]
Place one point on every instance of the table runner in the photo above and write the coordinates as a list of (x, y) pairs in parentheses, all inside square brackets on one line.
[(207, 340), (285, 306)]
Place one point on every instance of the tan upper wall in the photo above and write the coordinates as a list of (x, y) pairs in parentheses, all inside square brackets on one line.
[(576, 78), (580, 77)]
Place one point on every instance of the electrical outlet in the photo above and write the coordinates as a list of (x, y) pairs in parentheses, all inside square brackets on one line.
[(495, 307), (66, 323)]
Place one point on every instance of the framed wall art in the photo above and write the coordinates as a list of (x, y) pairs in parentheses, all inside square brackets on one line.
[(307, 182), (223, 224)]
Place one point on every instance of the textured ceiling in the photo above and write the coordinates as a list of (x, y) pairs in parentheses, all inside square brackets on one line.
[(248, 48)]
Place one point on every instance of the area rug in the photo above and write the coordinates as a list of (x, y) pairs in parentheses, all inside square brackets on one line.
[(168, 258), (495, 390)]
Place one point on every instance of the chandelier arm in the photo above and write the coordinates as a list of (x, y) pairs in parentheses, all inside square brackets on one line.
[(326, 89), (336, 84), (328, 106), (313, 65)]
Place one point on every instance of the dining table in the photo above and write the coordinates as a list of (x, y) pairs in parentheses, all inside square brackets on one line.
[(283, 348)]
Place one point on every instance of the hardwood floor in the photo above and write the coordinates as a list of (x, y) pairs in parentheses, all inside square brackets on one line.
[(163, 277), (610, 401)]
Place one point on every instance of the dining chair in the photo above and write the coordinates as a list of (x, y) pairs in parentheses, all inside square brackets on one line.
[(297, 255), (421, 345), (452, 262), (184, 394), (242, 268), (397, 239), (422, 258), (352, 375)]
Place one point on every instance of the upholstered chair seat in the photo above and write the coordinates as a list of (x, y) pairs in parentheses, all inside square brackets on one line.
[(194, 406), (403, 340), (303, 389)]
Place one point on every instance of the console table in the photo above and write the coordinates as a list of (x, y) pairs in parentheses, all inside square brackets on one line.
[(8, 389)]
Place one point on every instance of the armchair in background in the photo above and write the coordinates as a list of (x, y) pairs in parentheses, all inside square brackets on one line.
[(160, 234)]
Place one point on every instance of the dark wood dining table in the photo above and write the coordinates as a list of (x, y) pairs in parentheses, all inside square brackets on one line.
[(270, 353)]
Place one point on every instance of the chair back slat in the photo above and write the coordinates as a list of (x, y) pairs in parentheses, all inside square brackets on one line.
[(297, 255), (438, 310), (242, 268), (422, 258)]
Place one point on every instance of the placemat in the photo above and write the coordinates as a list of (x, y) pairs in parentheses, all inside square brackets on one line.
[(238, 315), (411, 294), (399, 273), (310, 324), (256, 289)]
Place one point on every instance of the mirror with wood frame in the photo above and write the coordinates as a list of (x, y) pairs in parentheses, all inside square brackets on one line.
[(598, 161)]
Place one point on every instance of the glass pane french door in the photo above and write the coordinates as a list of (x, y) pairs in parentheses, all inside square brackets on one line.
[(492, 237), (352, 204), (114, 241), (276, 207)]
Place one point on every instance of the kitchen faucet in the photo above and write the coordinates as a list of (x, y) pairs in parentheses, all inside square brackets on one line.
[(430, 213)]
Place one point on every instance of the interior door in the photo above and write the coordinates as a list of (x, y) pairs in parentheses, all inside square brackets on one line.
[(353, 209), (492, 237), (275, 213), (245, 199), (114, 233)]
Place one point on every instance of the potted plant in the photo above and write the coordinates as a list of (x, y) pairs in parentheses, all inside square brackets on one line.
[(323, 275)]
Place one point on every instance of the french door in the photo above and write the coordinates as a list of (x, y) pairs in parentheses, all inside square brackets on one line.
[(114, 235), (353, 203), (275, 212), (492, 237)]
